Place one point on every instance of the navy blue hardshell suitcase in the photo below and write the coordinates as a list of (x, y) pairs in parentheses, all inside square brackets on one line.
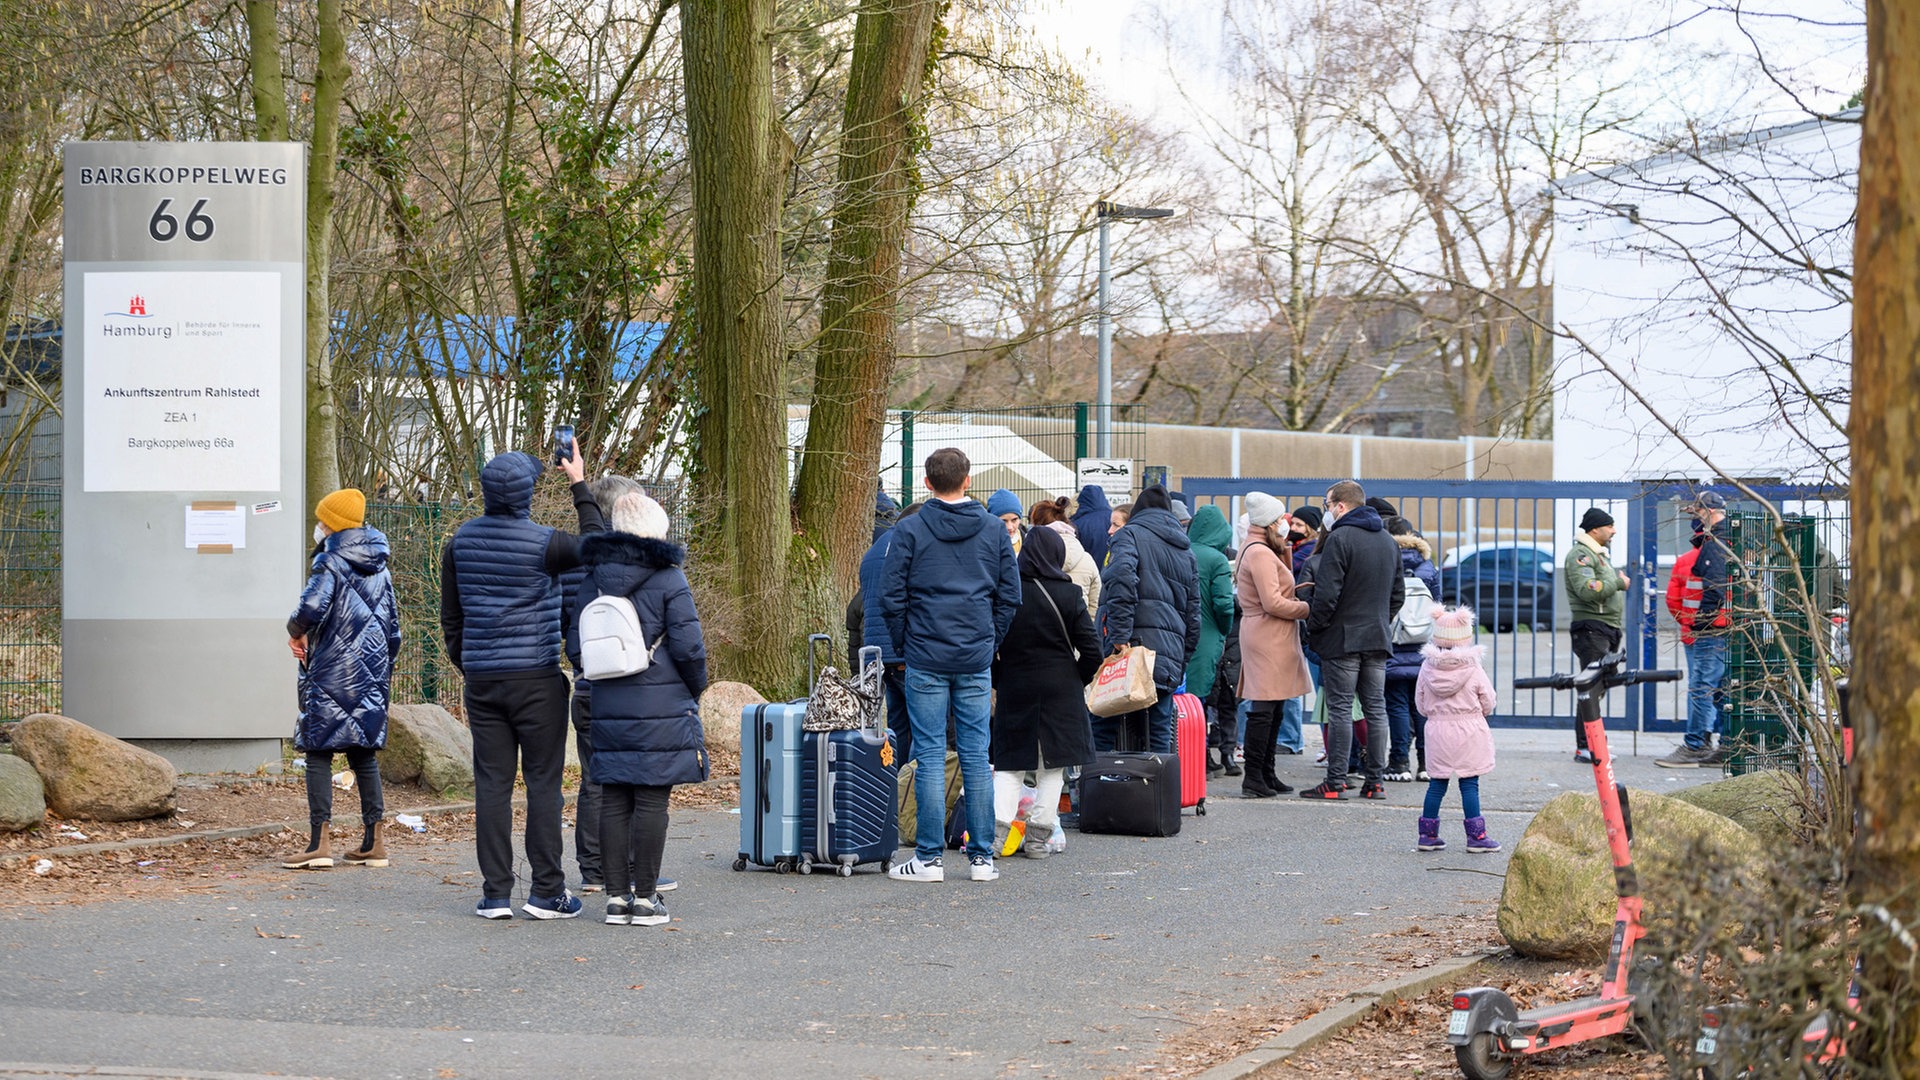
[(849, 783)]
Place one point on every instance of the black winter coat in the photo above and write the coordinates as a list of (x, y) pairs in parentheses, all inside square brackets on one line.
[(646, 727), (1356, 588), (1150, 594), (348, 615), (1039, 688)]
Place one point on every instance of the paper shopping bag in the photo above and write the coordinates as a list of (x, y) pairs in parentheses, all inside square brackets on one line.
[(1124, 683)]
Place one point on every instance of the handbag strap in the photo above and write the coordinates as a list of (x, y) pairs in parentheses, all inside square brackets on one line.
[(1056, 614)]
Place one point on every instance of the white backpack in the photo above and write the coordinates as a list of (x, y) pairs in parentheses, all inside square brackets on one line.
[(1413, 624), (611, 643)]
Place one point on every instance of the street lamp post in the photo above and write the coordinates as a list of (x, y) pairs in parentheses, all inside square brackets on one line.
[(1105, 213)]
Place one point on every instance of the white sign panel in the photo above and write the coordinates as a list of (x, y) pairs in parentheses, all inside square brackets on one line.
[(1112, 475), (182, 379)]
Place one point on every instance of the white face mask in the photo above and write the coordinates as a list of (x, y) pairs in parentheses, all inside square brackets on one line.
[(320, 533)]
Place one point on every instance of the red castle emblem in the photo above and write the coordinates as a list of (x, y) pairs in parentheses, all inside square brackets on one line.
[(137, 305)]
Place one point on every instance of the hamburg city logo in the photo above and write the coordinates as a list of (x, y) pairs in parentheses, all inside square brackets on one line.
[(136, 310)]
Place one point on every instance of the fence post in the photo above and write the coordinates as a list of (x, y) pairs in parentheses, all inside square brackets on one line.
[(1079, 431), (906, 456)]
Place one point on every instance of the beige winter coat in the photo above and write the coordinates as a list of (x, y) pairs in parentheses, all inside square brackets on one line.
[(1272, 667), (1080, 565)]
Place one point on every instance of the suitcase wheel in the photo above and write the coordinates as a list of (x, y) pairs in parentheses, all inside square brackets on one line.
[(806, 866), (783, 866), (1201, 808), (740, 863), (846, 871)]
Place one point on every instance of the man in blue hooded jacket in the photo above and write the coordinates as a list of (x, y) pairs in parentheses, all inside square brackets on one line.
[(500, 614), (1150, 595), (1091, 521), (948, 595)]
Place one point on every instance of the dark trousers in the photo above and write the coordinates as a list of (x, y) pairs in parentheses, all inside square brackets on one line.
[(1263, 717), (1407, 728), (1591, 641), (518, 725), (1361, 676), (893, 680), (633, 823), (365, 763), (586, 809)]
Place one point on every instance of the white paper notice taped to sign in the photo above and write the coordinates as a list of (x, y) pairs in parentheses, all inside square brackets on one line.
[(182, 381), (1112, 475), (216, 525)]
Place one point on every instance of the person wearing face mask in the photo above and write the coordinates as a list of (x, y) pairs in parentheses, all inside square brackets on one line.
[(345, 632), (1272, 668)]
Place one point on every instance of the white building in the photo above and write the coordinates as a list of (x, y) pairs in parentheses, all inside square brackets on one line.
[(1707, 304)]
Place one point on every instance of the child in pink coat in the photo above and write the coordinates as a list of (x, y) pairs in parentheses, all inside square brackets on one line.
[(1455, 695)]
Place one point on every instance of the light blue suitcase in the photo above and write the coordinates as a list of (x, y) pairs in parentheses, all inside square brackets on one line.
[(771, 743)]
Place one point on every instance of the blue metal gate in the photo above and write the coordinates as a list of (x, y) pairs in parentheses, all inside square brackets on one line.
[(1498, 545)]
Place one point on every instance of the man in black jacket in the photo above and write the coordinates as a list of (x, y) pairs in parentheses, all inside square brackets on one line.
[(1150, 595), (500, 615), (1356, 591)]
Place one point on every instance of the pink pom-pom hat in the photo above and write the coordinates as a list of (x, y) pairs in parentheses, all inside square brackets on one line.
[(1452, 627)]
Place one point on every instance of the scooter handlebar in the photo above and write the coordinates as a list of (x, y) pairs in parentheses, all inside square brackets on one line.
[(1652, 675), (1585, 678), (1544, 682)]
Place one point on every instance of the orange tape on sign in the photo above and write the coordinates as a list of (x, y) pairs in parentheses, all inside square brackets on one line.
[(214, 549), (229, 505)]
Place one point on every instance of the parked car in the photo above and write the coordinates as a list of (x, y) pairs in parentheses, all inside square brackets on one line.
[(1507, 585)]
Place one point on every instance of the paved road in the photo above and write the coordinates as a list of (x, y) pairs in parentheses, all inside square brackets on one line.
[(1080, 965)]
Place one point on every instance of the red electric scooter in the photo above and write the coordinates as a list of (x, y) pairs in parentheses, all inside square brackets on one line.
[(1487, 1032), (1824, 1042)]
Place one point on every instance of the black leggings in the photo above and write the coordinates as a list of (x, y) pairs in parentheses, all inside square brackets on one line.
[(365, 763), (633, 820)]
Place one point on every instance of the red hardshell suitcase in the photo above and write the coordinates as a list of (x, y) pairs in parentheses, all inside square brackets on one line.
[(1190, 745)]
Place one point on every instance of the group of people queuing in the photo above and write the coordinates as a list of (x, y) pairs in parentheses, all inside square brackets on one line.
[(511, 593)]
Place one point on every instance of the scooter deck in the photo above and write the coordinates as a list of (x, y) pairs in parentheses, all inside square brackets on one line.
[(1583, 1018)]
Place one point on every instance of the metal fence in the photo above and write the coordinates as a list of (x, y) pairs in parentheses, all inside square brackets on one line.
[(1031, 451), (29, 600), (1499, 546)]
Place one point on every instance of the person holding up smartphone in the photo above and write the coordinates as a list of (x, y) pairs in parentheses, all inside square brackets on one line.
[(500, 615)]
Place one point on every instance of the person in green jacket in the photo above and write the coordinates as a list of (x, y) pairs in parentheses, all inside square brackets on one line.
[(1212, 539), (1596, 599)]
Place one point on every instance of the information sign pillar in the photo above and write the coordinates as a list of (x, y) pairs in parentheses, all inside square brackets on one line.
[(183, 395)]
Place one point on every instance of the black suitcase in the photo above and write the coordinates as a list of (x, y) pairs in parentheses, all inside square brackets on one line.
[(1130, 793)]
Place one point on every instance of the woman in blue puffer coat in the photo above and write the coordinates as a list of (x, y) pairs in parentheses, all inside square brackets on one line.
[(646, 726), (346, 633)]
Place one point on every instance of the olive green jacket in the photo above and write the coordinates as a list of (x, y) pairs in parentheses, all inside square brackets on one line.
[(1596, 591)]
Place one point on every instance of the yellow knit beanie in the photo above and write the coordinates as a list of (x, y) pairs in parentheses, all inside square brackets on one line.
[(342, 510)]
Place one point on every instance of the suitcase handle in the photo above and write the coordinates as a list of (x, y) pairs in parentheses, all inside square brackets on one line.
[(870, 661), (813, 664)]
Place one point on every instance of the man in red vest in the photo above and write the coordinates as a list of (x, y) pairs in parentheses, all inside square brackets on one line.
[(1704, 597)]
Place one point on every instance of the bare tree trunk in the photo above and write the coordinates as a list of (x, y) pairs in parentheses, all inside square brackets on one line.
[(330, 77), (1886, 476), (263, 59), (737, 156), (855, 360)]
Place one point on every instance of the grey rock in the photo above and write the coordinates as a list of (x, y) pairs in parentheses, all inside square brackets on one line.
[(1766, 803), (1558, 902), (23, 799), (426, 744), (92, 775)]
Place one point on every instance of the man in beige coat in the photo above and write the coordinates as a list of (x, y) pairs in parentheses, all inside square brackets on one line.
[(1272, 667)]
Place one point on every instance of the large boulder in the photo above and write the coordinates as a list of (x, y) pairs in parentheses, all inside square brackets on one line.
[(1766, 803), (90, 774), (426, 744), (23, 799), (1559, 901), (720, 709)]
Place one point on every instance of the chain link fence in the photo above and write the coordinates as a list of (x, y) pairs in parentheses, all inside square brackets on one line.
[(1029, 450), (29, 600)]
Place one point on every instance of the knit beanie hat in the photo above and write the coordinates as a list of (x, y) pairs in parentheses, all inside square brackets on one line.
[(1595, 518), (342, 510), (1311, 517), (1452, 628), (1003, 502), (639, 515), (1181, 514), (1263, 509)]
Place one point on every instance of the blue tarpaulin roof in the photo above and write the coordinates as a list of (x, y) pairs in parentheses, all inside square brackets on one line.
[(484, 344)]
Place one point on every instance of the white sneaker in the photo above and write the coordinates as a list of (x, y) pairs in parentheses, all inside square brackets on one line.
[(916, 870), (982, 868)]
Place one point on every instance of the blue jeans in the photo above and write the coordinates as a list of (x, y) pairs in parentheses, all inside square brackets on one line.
[(1706, 689), (1159, 717), (1403, 720), (1469, 796), (930, 697), (1288, 735)]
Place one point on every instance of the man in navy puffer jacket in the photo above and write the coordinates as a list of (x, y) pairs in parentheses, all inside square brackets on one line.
[(948, 595), (1150, 595), (500, 613)]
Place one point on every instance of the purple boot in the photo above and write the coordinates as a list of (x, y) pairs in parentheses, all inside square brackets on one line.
[(1430, 835), (1478, 842)]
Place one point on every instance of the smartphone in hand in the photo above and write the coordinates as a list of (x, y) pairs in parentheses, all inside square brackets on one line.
[(562, 444)]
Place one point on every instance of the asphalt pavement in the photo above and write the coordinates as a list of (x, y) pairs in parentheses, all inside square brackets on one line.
[(1077, 965)]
